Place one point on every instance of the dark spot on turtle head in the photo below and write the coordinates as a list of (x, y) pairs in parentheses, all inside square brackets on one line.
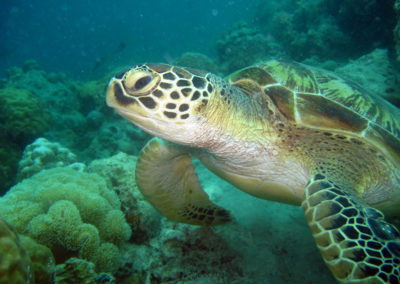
[(165, 86), (183, 83), (121, 97), (175, 95), (186, 91), (198, 82), (195, 96), (184, 116), (205, 94), (148, 102), (169, 76), (183, 107), (170, 114), (171, 106), (158, 93), (209, 88)]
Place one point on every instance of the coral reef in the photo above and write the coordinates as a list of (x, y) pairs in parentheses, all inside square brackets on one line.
[(76, 270), (197, 61), (43, 263), (70, 212), (9, 156), (15, 264), (303, 29), (396, 32), (21, 115), (73, 113), (43, 154), (91, 94), (22, 119), (119, 173), (240, 46), (186, 254)]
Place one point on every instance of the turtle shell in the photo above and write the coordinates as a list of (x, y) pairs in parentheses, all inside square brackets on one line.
[(315, 98)]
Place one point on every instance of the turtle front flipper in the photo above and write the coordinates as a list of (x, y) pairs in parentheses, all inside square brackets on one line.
[(165, 175), (354, 240)]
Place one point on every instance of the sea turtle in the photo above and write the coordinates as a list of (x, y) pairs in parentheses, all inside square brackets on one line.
[(280, 131)]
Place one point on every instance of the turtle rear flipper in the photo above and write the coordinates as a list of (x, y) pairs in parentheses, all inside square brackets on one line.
[(354, 240), (166, 177)]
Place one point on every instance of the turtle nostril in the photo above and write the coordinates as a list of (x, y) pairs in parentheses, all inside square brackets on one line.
[(142, 82)]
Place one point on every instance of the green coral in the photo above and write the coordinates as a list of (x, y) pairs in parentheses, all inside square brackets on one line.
[(10, 154), (72, 213), (43, 263), (76, 270), (21, 115), (241, 46), (15, 264), (22, 119)]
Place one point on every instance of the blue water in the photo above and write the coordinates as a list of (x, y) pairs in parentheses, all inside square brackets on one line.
[(70, 36), (89, 39)]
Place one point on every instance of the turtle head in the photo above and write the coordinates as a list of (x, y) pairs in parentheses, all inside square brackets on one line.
[(164, 100)]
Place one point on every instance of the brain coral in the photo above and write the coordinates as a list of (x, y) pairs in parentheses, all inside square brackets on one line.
[(72, 213)]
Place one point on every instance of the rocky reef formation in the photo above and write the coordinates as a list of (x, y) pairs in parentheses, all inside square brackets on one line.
[(241, 46), (35, 103), (301, 30), (78, 221)]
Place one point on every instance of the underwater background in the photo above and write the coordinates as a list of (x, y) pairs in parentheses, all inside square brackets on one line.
[(68, 161)]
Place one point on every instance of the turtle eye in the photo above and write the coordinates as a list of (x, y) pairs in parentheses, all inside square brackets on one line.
[(142, 82), (139, 82)]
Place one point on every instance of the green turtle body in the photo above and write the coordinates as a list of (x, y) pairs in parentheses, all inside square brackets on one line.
[(279, 131)]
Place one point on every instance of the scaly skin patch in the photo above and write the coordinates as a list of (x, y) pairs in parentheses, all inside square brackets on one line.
[(354, 240)]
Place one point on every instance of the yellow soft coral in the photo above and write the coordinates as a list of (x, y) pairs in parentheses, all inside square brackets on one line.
[(69, 210)]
